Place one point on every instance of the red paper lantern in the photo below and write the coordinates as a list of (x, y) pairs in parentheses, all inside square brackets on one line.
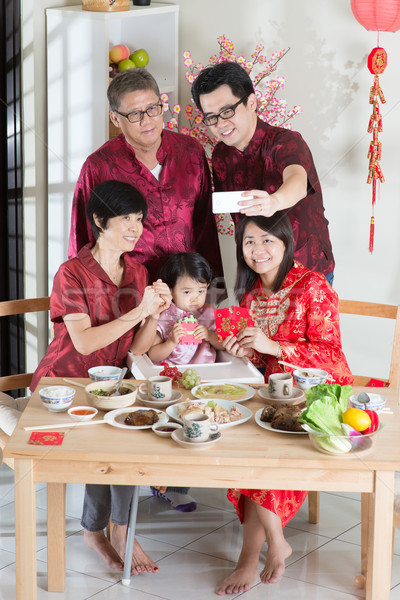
[(377, 15)]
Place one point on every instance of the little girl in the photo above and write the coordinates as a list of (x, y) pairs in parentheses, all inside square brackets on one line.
[(188, 276)]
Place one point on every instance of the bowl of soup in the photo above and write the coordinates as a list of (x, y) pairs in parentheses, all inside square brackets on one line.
[(98, 394)]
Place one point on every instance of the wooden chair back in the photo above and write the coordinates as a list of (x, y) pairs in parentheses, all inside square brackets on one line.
[(385, 311), (20, 307), (19, 380)]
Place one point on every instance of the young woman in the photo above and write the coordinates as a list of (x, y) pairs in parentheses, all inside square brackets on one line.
[(98, 301), (296, 319)]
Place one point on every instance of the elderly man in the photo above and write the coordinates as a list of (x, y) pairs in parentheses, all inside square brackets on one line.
[(170, 170), (272, 164)]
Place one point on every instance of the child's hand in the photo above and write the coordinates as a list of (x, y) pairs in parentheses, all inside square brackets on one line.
[(201, 332), (177, 332), (162, 290)]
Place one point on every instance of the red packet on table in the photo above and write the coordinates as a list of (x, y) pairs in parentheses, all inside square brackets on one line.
[(189, 324), (231, 320), (46, 438), (377, 383)]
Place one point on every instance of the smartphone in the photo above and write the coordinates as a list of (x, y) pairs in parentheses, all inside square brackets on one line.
[(227, 202)]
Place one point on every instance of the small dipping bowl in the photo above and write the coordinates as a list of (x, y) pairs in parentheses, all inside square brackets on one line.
[(57, 398), (376, 402), (165, 429), (104, 373), (313, 377), (82, 413)]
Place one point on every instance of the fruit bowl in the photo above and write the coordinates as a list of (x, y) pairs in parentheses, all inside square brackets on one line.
[(340, 445)]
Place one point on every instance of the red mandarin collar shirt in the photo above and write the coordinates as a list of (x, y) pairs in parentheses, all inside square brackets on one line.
[(260, 166), (179, 218), (81, 286)]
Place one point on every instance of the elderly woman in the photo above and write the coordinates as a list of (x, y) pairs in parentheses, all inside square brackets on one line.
[(98, 301), (296, 319)]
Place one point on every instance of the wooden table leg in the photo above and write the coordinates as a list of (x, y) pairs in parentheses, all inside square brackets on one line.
[(25, 529), (379, 566), (365, 530), (56, 537)]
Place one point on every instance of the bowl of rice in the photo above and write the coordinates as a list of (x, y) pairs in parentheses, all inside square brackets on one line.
[(57, 398)]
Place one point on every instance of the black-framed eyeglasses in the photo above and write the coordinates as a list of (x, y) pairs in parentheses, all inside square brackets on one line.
[(137, 115), (227, 113)]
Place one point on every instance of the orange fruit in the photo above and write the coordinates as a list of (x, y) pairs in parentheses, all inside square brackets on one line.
[(356, 418)]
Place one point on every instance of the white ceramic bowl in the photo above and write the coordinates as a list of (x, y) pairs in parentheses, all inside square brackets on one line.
[(165, 429), (104, 373), (313, 377), (376, 402), (57, 398), (106, 402), (82, 413)]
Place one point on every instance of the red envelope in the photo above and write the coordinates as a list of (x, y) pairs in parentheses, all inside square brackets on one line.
[(46, 438), (377, 383), (231, 320)]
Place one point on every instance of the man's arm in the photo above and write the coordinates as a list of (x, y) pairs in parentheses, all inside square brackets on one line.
[(292, 190)]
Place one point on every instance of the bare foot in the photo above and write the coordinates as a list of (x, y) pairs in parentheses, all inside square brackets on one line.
[(275, 561), (96, 540), (141, 562), (240, 580)]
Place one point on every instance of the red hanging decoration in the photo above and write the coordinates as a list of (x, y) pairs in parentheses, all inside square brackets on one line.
[(377, 15), (377, 61)]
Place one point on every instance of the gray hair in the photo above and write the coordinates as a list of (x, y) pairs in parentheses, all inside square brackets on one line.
[(131, 80)]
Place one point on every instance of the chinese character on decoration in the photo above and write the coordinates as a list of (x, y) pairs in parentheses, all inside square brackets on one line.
[(376, 15), (270, 109)]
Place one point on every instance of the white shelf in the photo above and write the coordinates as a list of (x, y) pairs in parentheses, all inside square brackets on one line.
[(78, 42)]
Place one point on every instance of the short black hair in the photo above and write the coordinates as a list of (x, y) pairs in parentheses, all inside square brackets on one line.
[(278, 225), (224, 73), (131, 80), (190, 264), (113, 199)]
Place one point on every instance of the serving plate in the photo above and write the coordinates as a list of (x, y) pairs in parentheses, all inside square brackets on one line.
[(157, 404), (178, 437), (172, 411), (268, 426), (116, 417), (208, 391)]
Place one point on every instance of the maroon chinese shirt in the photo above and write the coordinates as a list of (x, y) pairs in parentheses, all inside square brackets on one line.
[(179, 217), (81, 286), (260, 166)]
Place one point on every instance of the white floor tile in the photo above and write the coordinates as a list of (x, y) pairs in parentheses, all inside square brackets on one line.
[(337, 514)]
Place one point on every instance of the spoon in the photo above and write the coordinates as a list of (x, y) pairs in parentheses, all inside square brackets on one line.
[(363, 398), (116, 393)]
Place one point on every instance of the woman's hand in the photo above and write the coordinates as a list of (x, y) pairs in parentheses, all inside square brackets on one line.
[(164, 292), (151, 303), (177, 332), (254, 338), (261, 204), (231, 345)]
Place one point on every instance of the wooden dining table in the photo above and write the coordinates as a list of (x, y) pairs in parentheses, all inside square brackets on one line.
[(246, 456)]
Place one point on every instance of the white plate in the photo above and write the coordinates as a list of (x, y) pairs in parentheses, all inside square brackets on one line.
[(172, 411), (178, 437), (156, 404), (111, 417), (268, 426), (296, 397), (248, 392)]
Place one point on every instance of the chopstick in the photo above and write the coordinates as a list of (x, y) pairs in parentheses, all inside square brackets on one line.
[(74, 382), (62, 425)]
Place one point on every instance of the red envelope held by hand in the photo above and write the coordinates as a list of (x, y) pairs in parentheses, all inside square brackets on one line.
[(231, 320)]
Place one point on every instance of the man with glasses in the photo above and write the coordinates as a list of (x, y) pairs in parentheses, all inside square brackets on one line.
[(274, 165), (170, 170)]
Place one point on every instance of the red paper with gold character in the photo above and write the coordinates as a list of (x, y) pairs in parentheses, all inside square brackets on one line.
[(46, 438), (229, 321), (377, 61)]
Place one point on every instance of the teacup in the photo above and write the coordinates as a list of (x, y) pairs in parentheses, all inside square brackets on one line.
[(280, 385), (197, 427), (157, 388)]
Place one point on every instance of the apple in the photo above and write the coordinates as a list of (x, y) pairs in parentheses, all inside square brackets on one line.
[(140, 57), (118, 53), (125, 64), (113, 69)]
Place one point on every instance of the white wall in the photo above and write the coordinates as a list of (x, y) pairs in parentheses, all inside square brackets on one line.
[(327, 75)]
